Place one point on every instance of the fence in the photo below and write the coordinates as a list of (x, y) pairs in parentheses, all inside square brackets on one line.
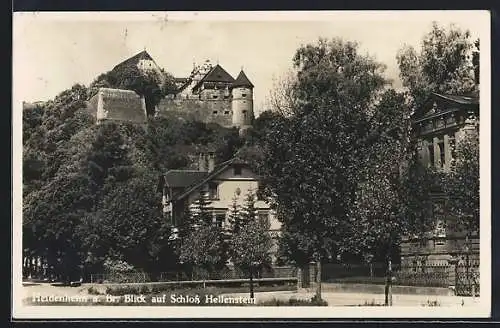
[(462, 276), (195, 275)]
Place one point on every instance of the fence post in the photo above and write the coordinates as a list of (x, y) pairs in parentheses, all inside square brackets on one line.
[(299, 277), (452, 274), (388, 285)]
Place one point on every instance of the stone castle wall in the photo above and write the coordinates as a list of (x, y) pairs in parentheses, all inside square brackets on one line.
[(117, 105), (205, 110)]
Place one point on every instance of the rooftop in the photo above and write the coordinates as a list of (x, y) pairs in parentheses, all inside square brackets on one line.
[(242, 81)]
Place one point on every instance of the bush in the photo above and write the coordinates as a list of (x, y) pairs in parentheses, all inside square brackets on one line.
[(123, 290), (371, 303), (314, 301), (93, 291)]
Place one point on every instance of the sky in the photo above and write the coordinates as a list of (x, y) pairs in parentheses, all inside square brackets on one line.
[(53, 51)]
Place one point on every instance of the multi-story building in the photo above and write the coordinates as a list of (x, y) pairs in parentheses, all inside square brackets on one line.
[(223, 186), (209, 94), (439, 125)]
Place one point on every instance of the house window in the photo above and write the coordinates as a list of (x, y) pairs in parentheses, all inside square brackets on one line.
[(214, 112), (213, 190), (244, 95), (226, 112), (237, 170), (214, 96), (264, 218), (219, 220)]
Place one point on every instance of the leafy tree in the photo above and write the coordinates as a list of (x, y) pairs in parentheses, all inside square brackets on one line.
[(462, 184), (151, 84), (444, 64), (282, 96), (130, 217), (234, 214), (251, 248), (311, 158), (204, 245), (392, 197)]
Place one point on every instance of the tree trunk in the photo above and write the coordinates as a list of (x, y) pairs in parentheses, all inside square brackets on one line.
[(251, 283), (318, 279), (388, 285)]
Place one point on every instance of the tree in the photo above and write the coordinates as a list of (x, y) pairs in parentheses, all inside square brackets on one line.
[(392, 198), (282, 98), (444, 64), (204, 244), (462, 183), (312, 158), (151, 84), (251, 248)]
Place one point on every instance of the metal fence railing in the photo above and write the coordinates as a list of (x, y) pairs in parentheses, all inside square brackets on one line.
[(464, 277)]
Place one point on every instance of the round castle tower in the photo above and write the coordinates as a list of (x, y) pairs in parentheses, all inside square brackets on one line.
[(242, 101)]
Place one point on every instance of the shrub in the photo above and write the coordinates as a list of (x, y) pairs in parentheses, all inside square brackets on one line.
[(314, 301), (432, 303), (371, 303), (93, 291), (122, 290)]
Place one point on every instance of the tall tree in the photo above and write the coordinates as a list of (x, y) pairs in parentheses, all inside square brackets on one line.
[(462, 184), (311, 158), (444, 64), (251, 248), (204, 245)]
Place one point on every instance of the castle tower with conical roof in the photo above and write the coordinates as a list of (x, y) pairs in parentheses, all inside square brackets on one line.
[(242, 101)]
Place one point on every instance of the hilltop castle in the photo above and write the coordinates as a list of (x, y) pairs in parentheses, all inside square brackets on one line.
[(209, 94)]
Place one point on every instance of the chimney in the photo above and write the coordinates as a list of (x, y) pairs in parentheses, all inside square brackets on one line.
[(211, 161), (202, 163)]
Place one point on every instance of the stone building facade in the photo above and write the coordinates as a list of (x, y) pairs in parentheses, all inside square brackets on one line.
[(221, 185), (439, 126), (212, 95)]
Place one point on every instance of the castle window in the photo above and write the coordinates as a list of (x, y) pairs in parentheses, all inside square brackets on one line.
[(214, 112)]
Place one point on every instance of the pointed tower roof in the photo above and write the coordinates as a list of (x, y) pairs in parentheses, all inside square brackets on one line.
[(242, 81), (134, 60)]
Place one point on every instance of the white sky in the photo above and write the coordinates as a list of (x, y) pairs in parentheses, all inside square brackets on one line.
[(53, 51)]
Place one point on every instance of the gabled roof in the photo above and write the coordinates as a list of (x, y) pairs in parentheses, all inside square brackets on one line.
[(183, 178), (455, 101), (207, 176), (242, 81), (134, 60), (216, 74), (460, 99)]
